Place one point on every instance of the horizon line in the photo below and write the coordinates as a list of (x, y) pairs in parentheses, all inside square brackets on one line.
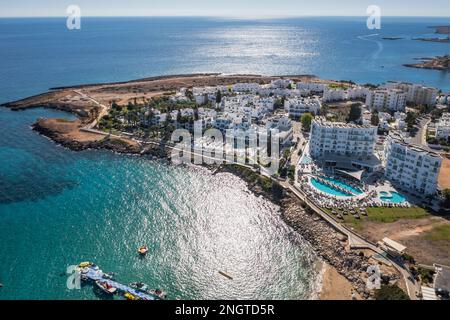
[(225, 16)]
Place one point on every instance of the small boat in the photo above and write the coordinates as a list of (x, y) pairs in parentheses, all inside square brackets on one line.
[(108, 276), (105, 287), (159, 293), (143, 250), (140, 286), (225, 275)]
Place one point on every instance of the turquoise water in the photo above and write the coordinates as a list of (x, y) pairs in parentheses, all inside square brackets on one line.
[(344, 185), (327, 189), (59, 207), (394, 198)]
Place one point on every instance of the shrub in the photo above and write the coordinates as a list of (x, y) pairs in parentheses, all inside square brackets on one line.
[(390, 292), (426, 275)]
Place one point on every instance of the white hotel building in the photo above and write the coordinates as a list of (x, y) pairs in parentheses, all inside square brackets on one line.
[(443, 127), (353, 93), (391, 99), (411, 167), (416, 93), (312, 86), (338, 141), (298, 106)]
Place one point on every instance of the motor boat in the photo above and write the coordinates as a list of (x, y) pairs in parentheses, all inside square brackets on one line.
[(105, 287), (140, 286), (143, 250)]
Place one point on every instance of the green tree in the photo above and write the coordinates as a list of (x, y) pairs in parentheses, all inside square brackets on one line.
[(375, 120), (355, 113), (410, 120), (218, 96), (306, 119), (446, 202), (188, 93)]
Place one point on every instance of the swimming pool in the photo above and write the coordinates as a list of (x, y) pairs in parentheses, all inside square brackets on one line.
[(327, 189), (343, 185), (395, 197)]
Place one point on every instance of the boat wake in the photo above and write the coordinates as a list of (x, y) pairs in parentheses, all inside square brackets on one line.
[(379, 44)]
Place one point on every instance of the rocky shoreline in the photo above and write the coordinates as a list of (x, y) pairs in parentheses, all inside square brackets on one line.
[(106, 143), (436, 63), (325, 240), (327, 243)]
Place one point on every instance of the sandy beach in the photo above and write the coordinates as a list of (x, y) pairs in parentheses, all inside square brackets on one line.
[(334, 286)]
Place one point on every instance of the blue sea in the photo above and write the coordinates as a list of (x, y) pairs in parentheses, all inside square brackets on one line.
[(59, 207)]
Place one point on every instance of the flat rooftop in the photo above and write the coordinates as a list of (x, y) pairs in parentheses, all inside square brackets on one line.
[(323, 122)]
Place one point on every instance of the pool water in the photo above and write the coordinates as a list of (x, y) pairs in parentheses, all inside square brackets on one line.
[(327, 189), (395, 197), (345, 186)]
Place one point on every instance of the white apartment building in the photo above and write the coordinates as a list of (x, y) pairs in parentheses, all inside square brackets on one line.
[(411, 167), (282, 83), (158, 117), (416, 93), (246, 87), (366, 117), (283, 124), (443, 127), (353, 93), (203, 95), (267, 103), (222, 122), (330, 95), (206, 112), (341, 139), (312, 86), (298, 106), (384, 121), (391, 99)]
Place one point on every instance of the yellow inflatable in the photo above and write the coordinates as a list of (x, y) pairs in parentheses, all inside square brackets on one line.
[(84, 264), (129, 296)]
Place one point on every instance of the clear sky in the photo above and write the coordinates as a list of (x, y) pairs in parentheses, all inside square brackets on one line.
[(236, 8)]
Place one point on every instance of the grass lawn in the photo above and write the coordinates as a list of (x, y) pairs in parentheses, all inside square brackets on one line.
[(439, 233), (383, 215), (387, 215)]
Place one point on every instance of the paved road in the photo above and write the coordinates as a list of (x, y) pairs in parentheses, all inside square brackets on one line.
[(420, 137)]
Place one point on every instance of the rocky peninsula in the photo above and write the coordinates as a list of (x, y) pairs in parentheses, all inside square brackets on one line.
[(91, 102), (437, 63)]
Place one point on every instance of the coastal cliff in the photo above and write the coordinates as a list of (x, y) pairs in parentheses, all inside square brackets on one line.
[(67, 134)]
